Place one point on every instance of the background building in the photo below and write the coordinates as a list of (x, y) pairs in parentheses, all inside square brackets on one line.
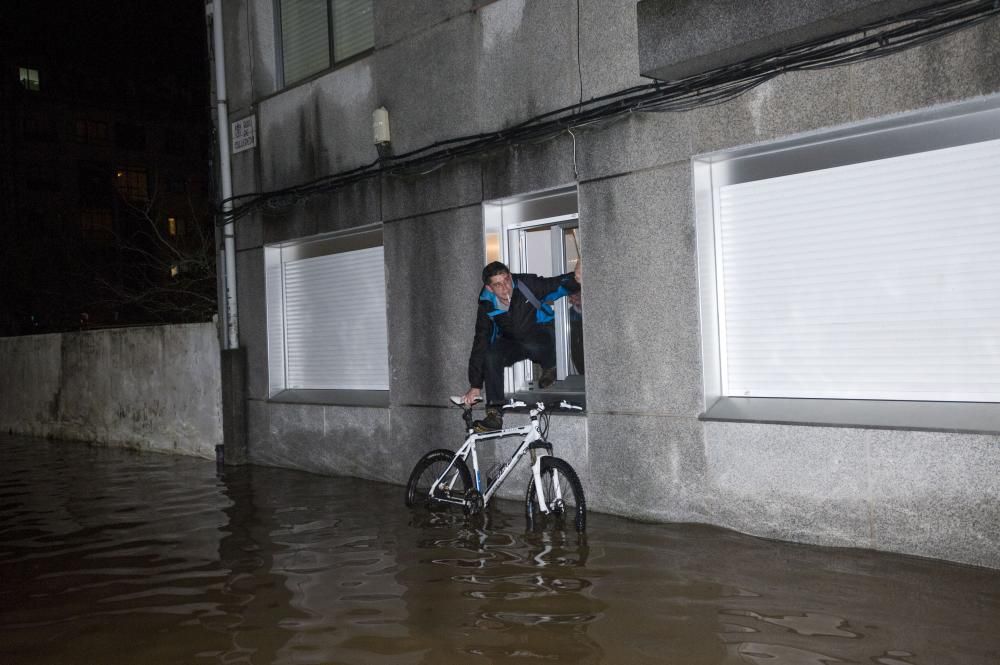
[(789, 316), (104, 149)]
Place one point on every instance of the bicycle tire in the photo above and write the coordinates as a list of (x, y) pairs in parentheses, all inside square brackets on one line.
[(572, 505), (426, 471)]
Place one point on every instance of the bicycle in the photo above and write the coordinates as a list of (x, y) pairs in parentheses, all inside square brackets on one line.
[(441, 478)]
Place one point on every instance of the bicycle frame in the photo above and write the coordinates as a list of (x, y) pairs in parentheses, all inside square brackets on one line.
[(531, 435)]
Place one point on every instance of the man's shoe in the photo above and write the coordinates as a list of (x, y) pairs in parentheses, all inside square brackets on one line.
[(548, 378), (492, 421)]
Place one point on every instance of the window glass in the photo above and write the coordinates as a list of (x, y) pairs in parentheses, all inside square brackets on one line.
[(39, 127), (91, 131), (97, 223), (29, 79), (132, 183)]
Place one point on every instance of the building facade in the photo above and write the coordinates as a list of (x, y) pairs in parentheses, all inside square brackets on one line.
[(788, 317)]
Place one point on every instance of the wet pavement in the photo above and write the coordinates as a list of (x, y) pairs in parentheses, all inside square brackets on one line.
[(110, 556)]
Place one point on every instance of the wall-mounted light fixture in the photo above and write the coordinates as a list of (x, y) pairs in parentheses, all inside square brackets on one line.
[(380, 131)]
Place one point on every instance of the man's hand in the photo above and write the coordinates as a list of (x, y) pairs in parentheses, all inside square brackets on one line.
[(470, 397), (578, 273)]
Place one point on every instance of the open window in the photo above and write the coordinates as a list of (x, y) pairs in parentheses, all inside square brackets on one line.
[(540, 234)]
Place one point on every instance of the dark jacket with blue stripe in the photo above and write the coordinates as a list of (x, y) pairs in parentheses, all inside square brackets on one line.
[(520, 318)]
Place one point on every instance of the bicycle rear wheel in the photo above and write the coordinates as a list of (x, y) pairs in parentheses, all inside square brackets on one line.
[(425, 476), (563, 496)]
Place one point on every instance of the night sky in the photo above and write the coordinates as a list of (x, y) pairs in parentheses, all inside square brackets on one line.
[(138, 40)]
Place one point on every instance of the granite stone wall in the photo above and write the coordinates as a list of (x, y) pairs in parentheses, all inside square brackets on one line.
[(153, 388)]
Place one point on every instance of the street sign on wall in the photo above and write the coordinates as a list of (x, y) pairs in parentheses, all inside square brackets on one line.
[(244, 134)]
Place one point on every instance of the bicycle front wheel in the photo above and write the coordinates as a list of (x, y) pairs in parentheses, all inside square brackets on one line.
[(563, 497), (426, 487)]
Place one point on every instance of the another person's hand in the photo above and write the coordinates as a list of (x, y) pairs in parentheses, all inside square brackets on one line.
[(576, 301), (578, 273), (471, 396)]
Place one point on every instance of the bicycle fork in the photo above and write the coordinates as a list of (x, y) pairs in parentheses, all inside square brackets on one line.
[(536, 474)]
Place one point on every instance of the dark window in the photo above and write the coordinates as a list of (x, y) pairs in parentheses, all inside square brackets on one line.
[(91, 131), (97, 223), (38, 127), (94, 184), (130, 136), (316, 33), (42, 178), (132, 183)]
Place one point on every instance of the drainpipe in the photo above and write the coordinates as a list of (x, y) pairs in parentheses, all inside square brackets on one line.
[(213, 12)]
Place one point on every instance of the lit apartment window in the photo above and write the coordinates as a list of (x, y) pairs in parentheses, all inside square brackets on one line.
[(29, 79), (315, 34), (175, 226)]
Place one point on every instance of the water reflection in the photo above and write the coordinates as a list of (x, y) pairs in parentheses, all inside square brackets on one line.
[(114, 556)]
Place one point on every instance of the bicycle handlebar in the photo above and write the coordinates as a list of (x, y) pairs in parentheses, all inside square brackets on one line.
[(543, 406), (565, 405)]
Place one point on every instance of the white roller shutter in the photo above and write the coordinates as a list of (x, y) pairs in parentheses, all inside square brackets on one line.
[(353, 28), (335, 326), (305, 38), (876, 280)]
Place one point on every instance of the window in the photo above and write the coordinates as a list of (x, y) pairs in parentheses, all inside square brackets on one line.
[(29, 79), (857, 265), (326, 323), (317, 33), (91, 131), (540, 234), (132, 184), (39, 127), (98, 224)]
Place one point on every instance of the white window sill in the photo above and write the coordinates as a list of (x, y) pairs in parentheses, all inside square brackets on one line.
[(971, 417), (369, 398)]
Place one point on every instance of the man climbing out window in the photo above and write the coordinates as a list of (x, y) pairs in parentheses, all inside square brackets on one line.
[(513, 322)]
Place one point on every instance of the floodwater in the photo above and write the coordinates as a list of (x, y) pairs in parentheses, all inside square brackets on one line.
[(110, 556)]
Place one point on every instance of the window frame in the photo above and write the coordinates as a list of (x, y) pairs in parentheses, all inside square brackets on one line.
[(276, 256), (558, 210), (29, 83), (917, 132), (132, 183), (279, 49)]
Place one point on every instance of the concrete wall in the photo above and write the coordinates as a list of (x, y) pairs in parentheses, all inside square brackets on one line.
[(155, 388), (445, 69)]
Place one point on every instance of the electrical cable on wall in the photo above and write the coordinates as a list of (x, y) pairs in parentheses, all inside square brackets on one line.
[(713, 87)]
